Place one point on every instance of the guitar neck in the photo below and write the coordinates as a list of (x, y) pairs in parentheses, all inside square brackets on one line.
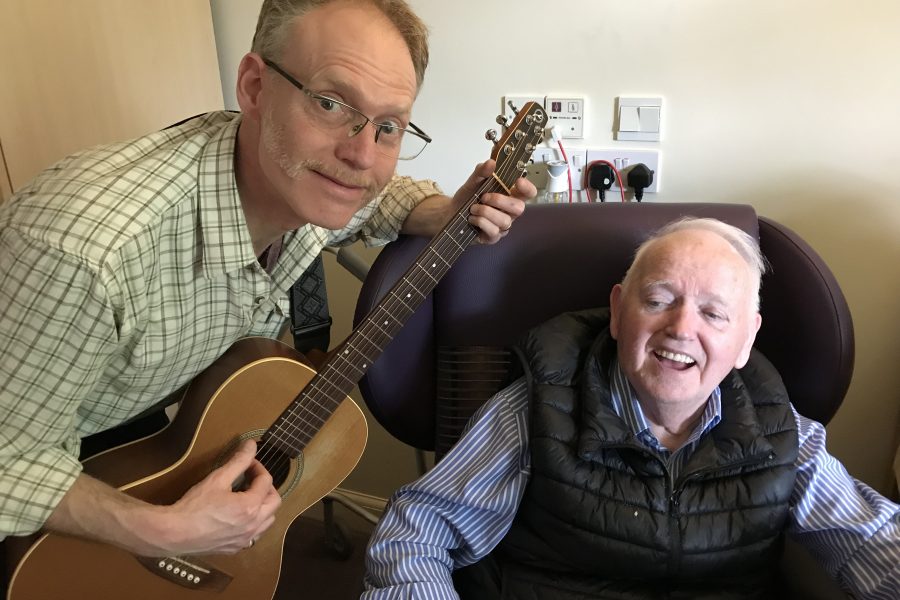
[(324, 393), (350, 361)]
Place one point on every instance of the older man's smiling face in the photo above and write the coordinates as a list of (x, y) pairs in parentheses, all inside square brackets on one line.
[(684, 318)]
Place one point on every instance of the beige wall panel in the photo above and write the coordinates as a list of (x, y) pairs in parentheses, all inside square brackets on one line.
[(76, 74)]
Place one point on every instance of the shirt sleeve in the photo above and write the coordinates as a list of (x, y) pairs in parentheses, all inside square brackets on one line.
[(380, 221), (55, 328), (456, 513), (851, 529)]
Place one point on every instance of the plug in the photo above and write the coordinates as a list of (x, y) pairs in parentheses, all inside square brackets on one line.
[(639, 177), (600, 177)]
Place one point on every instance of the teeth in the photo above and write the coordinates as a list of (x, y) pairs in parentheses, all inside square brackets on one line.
[(682, 358)]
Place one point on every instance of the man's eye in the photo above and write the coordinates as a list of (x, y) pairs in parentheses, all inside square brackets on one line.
[(714, 316), (329, 105), (390, 129)]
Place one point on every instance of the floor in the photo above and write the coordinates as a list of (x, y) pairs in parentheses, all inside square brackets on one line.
[(312, 569)]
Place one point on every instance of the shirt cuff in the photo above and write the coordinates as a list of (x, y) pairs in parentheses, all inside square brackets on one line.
[(31, 489)]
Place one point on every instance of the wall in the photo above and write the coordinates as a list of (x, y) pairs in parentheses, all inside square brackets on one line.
[(788, 106), (78, 74)]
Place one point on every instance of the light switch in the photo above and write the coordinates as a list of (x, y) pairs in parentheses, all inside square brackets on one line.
[(649, 119), (640, 119), (629, 119)]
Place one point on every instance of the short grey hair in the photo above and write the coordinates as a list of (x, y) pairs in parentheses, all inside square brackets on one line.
[(276, 16), (744, 244)]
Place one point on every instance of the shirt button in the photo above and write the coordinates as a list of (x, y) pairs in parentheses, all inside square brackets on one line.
[(259, 300)]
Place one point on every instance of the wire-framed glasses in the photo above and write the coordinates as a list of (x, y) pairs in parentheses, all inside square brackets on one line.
[(330, 115)]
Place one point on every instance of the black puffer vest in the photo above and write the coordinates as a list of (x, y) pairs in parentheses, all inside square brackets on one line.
[(603, 518)]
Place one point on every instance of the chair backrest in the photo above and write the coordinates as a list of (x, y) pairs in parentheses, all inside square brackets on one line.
[(451, 354)]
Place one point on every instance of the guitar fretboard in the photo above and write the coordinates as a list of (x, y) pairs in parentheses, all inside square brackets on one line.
[(294, 429)]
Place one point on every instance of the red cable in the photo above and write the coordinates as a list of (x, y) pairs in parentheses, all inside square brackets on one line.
[(587, 171), (568, 168)]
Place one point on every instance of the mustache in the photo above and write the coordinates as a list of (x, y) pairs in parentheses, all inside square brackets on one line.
[(273, 139), (344, 176)]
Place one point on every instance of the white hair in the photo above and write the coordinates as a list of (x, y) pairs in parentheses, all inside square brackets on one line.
[(744, 244)]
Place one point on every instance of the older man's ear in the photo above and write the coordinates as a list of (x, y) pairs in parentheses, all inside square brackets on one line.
[(615, 297), (753, 324)]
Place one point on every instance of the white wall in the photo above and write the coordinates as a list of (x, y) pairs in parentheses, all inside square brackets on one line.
[(789, 106)]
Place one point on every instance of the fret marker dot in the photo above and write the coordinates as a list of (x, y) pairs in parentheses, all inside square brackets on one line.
[(433, 265), (365, 365), (385, 322)]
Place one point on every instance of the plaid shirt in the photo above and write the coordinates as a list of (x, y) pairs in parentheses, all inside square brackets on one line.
[(124, 271)]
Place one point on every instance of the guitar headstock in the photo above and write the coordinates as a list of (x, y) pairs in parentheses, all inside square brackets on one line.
[(514, 149)]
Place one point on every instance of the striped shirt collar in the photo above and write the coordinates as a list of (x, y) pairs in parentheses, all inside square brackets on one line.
[(626, 405)]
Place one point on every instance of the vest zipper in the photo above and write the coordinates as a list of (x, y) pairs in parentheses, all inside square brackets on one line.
[(674, 524)]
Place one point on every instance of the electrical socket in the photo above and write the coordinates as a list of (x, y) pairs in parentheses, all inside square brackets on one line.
[(567, 114), (536, 172), (537, 168), (622, 159), (577, 161)]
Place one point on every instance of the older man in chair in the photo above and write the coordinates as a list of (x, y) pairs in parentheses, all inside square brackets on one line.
[(647, 452)]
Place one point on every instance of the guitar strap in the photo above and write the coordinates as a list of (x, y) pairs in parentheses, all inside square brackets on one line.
[(310, 319)]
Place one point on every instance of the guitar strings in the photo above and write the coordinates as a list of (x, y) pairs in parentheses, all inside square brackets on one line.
[(385, 336), (370, 321), (372, 334)]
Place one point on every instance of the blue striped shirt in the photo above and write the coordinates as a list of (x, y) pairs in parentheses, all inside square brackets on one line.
[(461, 509)]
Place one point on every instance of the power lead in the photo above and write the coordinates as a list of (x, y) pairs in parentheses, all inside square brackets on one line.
[(639, 177), (600, 178)]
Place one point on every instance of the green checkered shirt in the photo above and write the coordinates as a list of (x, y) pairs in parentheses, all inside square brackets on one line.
[(124, 271)]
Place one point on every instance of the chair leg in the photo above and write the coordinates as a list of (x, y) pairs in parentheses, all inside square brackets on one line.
[(337, 541)]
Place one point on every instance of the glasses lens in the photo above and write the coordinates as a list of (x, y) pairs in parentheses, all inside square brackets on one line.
[(332, 115), (411, 145), (328, 113)]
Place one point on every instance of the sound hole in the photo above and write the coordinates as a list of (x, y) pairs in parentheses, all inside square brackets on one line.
[(277, 463), (286, 471)]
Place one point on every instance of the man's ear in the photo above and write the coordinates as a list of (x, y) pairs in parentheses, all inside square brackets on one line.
[(753, 325), (615, 299), (249, 85)]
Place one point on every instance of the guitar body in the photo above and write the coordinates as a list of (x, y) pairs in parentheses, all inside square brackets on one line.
[(239, 396), (250, 391)]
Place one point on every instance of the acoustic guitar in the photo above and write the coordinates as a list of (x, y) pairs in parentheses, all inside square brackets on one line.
[(310, 435)]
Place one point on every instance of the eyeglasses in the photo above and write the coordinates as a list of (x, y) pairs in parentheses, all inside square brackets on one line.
[(328, 114)]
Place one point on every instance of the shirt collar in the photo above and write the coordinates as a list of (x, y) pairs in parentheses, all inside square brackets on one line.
[(626, 406), (225, 236)]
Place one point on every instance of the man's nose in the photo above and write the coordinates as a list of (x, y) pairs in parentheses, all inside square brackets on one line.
[(360, 149), (683, 321)]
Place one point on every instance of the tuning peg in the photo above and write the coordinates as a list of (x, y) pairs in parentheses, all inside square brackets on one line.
[(501, 120), (491, 134)]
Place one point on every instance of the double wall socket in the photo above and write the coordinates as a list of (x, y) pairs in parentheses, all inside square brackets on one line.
[(580, 159), (622, 159)]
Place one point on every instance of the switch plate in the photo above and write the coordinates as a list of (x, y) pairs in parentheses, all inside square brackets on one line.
[(567, 113), (623, 159), (638, 119)]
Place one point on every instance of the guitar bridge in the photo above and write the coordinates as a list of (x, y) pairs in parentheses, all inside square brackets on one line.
[(186, 573)]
